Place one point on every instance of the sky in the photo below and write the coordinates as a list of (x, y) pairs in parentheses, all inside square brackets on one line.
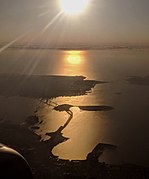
[(104, 21)]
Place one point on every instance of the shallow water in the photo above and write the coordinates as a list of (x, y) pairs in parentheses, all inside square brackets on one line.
[(126, 126)]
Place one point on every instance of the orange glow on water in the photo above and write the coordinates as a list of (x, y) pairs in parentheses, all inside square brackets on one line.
[(74, 63), (74, 57)]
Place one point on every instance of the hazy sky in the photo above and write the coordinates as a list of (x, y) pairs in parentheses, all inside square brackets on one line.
[(105, 21)]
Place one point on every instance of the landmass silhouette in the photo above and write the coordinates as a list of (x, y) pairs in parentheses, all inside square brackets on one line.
[(44, 86), (138, 80), (39, 153)]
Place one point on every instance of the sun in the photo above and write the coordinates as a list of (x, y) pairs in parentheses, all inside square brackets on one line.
[(73, 7)]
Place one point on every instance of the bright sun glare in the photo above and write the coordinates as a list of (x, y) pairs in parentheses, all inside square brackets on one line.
[(74, 57), (73, 7)]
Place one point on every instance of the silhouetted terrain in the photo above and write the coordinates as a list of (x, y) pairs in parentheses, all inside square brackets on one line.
[(46, 166), (45, 87), (43, 162), (138, 80)]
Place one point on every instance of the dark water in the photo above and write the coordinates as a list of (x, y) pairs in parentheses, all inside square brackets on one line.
[(125, 126)]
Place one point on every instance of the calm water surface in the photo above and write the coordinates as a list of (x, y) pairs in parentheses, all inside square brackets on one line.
[(126, 126)]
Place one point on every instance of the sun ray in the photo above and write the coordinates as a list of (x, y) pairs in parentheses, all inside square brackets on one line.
[(11, 43), (43, 13), (51, 22)]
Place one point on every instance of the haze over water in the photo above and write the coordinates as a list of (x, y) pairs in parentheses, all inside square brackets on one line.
[(126, 126)]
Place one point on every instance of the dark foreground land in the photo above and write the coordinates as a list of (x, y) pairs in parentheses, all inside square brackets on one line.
[(39, 155), (44, 165), (44, 87)]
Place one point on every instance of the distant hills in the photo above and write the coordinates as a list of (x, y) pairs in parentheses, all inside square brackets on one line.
[(77, 47)]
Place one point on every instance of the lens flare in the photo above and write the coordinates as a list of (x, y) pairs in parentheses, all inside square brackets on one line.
[(73, 7)]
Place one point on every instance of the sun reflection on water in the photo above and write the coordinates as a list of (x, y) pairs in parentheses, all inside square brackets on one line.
[(74, 62), (85, 128), (74, 57)]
